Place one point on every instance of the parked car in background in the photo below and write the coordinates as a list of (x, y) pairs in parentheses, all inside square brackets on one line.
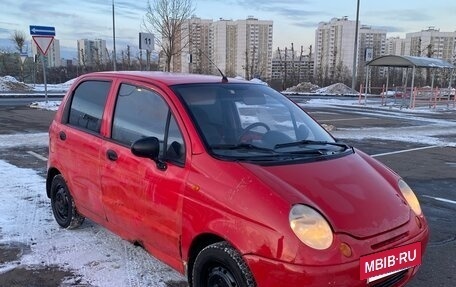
[(229, 182), (392, 93)]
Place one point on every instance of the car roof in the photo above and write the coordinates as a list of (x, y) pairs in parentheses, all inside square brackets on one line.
[(166, 77)]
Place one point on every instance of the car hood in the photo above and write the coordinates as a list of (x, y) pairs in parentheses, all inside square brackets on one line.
[(354, 197)]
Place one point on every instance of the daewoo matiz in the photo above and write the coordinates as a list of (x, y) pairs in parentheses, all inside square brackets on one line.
[(230, 183)]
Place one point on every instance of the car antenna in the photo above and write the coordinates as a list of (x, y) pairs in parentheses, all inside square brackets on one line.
[(224, 78)]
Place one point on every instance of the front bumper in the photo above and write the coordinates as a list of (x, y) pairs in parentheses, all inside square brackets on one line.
[(272, 273)]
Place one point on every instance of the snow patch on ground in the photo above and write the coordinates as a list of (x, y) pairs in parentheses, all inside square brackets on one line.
[(50, 105), (374, 105), (337, 89), (10, 84), (24, 140), (304, 87), (427, 135), (102, 258)]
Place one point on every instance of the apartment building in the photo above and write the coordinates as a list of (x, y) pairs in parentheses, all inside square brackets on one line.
[(395, 46), (52, 58), (254, 44), (334, 46), (335, 43), (92, 53), (238, 48), (371, 44), (224, 47), (292, 66), (195, 47), (432, 43)]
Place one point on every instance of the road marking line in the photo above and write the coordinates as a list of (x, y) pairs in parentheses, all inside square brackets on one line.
[(347, 119), (37, 155), (441, 199), (405, 150)]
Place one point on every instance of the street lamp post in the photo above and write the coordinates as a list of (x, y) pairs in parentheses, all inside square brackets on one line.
[(114, 59), (355, 52)]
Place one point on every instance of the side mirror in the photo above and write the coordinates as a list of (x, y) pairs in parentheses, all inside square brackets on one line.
[(149, 148), (146, 147)]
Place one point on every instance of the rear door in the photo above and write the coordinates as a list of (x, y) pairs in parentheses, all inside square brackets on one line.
[(79, 142), (142, 201)]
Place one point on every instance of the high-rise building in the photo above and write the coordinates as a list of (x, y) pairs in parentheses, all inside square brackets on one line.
[(289, 65), (52, 58), (238, 48), (334, 46), (395, 46), (194, 57), (254, 48), (371, 45), (432, 43), (224, 48), (92, 53), (335, 43)]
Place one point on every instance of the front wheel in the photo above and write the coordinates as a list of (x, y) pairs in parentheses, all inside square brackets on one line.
[(62, 203), (220, 265)]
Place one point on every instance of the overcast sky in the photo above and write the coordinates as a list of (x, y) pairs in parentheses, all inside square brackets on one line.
[(295, 21)]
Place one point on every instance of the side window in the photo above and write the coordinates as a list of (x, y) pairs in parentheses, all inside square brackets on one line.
[(138, 113), (143, 113), (87, 105)]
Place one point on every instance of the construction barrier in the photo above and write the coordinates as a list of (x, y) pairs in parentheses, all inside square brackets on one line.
[(402, 97), (433, 98)]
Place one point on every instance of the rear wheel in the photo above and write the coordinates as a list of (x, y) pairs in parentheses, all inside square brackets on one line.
[(62, 203), (220, 265)]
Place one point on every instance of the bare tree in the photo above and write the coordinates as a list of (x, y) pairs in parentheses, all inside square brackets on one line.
[(19, 38), (166, 18)]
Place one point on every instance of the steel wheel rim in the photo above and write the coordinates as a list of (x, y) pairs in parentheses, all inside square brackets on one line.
[(219, 276), (61, 205)]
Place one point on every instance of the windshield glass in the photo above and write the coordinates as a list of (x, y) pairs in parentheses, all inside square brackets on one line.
[(248, 120)]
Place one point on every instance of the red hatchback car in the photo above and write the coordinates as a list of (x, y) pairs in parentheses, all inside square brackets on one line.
[(229, 182)]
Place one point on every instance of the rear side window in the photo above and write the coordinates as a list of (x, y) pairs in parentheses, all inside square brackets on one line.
[(87, 105)]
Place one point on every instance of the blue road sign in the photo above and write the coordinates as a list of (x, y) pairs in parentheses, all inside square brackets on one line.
[(42, 31)]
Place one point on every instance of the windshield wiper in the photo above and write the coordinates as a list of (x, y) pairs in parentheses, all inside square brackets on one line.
[(311, 142), (243, 146)]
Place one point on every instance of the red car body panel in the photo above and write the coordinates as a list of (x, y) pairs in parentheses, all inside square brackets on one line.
[(339, 180), (245, 204)]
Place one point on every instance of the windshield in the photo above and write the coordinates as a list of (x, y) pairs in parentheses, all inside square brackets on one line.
[(251, 121)]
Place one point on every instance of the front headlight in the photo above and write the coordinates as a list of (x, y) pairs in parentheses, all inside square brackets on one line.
[(410, 197), (310, 227)]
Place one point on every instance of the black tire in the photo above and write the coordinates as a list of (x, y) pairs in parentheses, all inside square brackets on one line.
[(220, 265), (62, 203)]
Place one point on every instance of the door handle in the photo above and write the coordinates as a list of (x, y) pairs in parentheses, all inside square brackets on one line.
[(62, 135), (112, 155)]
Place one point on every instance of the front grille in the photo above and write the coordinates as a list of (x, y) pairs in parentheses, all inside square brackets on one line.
[(391, 280), (389, 241)]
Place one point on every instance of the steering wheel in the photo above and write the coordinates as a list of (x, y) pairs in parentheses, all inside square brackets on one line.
[(243, 137)]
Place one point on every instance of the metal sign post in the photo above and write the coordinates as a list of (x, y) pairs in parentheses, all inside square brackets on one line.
[(43, 37), (44, 78)]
